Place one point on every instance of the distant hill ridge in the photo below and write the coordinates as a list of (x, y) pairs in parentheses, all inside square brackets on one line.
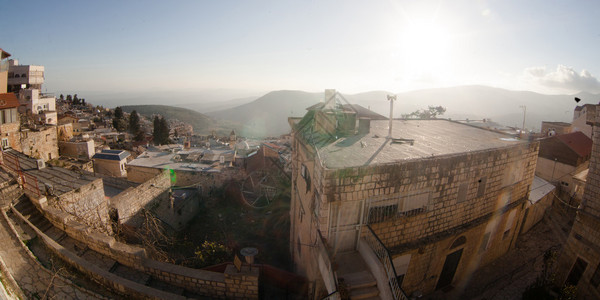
[(200, 122)]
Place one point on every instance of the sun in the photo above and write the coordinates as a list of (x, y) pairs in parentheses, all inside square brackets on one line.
[(424, 47)]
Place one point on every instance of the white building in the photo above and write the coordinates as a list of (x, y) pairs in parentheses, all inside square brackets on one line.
[(42, 106), (24, 76)]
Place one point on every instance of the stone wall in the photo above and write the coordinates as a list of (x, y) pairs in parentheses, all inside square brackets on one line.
[(535, 212), (129, 202), (40, 144), (583, 243), (211, 284), (491, 180), (82, 149), (87, 204), (10, 131), (206, 180)]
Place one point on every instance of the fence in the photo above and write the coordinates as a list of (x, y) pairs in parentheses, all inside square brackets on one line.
[(29, 182), (384, 257)]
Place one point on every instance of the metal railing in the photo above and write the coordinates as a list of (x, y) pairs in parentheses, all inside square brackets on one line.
[(386, 260)]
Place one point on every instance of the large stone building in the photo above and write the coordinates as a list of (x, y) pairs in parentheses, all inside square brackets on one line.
[(579, 264), (3, 71), (435, 199)]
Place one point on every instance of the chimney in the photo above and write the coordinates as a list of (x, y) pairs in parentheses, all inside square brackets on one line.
[(364, 125), (329, 93)]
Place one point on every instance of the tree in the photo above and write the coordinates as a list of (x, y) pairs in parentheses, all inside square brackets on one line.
[(61, 97), (134, 126), (75, 100), (69, 98), (431, 113), (161, 131), (119, 122)]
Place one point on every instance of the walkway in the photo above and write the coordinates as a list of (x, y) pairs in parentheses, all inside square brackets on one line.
[(35, 281)]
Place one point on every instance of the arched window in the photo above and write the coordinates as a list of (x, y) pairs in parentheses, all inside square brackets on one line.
[(459, 242), (17, 76)]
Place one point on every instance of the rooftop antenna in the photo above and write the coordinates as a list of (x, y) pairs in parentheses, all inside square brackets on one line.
[(391, 98)]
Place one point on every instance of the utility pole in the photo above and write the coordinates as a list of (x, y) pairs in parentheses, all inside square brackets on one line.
[(524, 113), (391, 98)]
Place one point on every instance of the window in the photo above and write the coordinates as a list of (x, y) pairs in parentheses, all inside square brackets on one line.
[(595, 281), (416, 201), (576, 272), (510, 220), (306, 176), (481, 187), (401, 265), (5, 143), (462, 192), (459, 242), (484, 242)]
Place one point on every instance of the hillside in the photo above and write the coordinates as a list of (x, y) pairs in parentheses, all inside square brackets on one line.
[(268, 114), (201, 123)]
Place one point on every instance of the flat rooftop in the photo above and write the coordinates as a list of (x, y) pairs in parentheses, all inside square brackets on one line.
[(431, 138), (60, 179), (165, 160)]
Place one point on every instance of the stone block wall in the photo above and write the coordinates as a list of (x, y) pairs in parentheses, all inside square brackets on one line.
[(212, 284), (505, 175), (87, 204), (583, 243), (40, 144), (82, 149), (10, 131), (243, 284), (129, 202)]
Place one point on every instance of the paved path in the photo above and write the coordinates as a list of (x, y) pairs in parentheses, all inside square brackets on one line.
[(35, 281)]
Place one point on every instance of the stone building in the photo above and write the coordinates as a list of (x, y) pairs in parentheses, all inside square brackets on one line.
[(111, 162), (9, 121), (417, 208), (40, 142), (555, 128), (3, 71), (579, 264), (562, 156)]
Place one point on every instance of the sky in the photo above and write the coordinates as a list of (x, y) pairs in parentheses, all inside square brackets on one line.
[(245, 47)]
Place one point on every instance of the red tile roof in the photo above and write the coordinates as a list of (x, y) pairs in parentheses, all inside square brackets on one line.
[(8, 100), (577, 141)]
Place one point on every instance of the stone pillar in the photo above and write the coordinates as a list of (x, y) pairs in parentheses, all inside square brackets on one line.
[(242, 284)]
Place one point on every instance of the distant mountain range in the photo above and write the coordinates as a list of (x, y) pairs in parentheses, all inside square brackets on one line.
[(267, 115)]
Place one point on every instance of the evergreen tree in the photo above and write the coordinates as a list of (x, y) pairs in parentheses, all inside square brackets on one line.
[(119, 122), (161, 131), (61, 97), (75, 100), (134, 126), (69, 98)]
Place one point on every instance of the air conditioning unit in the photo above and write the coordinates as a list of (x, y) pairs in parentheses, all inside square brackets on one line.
[(40, 164)]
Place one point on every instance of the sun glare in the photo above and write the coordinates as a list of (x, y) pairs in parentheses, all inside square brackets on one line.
[(424, 47)]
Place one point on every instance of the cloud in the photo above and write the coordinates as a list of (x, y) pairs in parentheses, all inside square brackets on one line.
[(563, 79)]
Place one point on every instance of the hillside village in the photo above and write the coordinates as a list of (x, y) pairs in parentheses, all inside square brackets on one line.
[(350, 204)]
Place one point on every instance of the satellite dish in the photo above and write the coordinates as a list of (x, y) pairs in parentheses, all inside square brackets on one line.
[(551, 132)]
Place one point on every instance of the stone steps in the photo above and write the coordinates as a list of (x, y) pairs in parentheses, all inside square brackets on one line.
[(364, 293), (356, 276)]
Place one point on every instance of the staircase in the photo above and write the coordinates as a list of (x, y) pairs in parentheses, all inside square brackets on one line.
[(33, 215), (356, 276)]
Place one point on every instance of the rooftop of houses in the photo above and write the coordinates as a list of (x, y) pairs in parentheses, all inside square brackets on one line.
[(8, 100), (567, 148), (539, 188), (411, 139), (557, 123), (108, 154), (58, 180), (198, 160)]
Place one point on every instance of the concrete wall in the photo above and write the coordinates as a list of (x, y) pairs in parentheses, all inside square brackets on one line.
[(40, 144)]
